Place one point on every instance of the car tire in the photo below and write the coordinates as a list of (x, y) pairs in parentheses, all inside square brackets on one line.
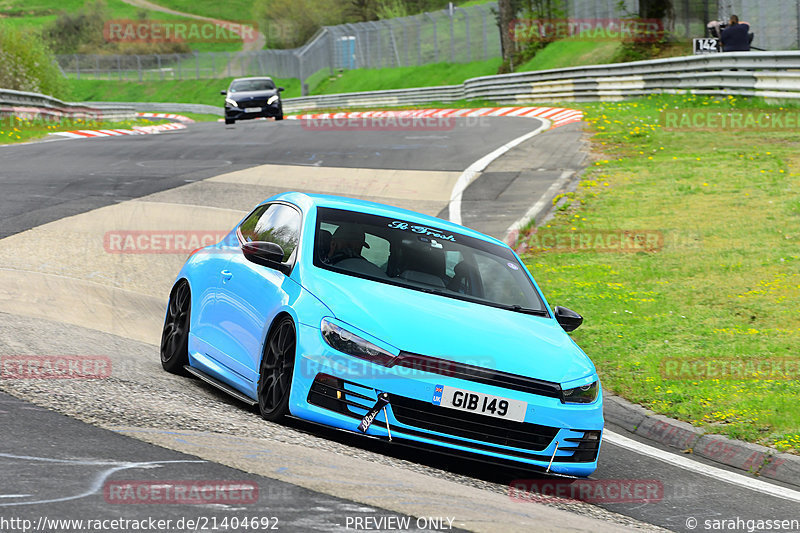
[(175, 334), (229, 121), (277, 367), (279, 116)]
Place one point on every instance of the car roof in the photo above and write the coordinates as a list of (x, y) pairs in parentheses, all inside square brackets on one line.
[(252, 78), (308, 201)]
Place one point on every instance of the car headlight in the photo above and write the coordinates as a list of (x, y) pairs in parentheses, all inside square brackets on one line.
[(272, 99), (231, 102), (582, 394), (345, 341)]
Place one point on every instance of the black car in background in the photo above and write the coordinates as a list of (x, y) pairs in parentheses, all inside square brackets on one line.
[(248, 98)]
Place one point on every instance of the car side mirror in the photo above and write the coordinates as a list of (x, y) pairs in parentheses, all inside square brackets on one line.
[(224, 93), (567, 318), (267, 254), (281, 89)]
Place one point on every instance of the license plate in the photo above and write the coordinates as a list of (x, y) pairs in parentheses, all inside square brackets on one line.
[(252, 110), (477, 402)]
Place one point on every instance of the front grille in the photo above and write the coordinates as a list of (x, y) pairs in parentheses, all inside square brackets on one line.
[(478, 374), (253, 102), (483, 428), (342, 397)]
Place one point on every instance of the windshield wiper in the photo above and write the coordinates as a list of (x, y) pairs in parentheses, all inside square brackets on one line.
[(458, 296), (526, 310)]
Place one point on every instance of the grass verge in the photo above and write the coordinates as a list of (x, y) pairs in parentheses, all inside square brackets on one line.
[(572, 53), (181, 91), (33, 15), (672, 328), (16, 130)]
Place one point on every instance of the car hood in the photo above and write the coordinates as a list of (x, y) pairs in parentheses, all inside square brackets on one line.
[(438, 326), (249, 95)]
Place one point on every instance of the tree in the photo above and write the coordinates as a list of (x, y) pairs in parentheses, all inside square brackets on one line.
[(505, 17), (655, 9)]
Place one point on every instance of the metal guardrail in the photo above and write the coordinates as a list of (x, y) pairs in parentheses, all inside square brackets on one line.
[(773, 75), (34, 104), (202, 109)]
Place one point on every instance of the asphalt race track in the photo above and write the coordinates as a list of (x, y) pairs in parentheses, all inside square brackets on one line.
[(65, 290)]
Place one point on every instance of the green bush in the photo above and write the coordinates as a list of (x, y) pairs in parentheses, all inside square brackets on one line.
[(81, 32), (26, 64)]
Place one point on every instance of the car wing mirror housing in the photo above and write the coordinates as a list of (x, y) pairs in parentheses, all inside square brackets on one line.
[(281, 89), (224, 93), (267, 254), (567, 318)]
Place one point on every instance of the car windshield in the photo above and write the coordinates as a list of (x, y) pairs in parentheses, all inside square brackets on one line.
[(424, 258), (251, 85)]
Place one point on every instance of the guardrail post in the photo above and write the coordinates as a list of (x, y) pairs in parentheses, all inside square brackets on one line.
[(119, 67), (160, 70), (139, 66)]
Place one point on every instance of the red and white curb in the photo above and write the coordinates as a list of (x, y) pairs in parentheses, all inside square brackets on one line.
[(558, 116), (169, 116), (136, 130)]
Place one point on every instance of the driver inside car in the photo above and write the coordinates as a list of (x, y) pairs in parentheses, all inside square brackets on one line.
[(346, 243)]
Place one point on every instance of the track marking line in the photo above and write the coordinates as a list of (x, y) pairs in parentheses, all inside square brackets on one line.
[(472, 171), (691, 465), (512, 232)]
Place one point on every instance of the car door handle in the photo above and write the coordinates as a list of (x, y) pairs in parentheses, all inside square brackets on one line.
[(226, 274)]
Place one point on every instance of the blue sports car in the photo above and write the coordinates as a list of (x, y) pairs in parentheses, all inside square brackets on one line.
[(389, 323)]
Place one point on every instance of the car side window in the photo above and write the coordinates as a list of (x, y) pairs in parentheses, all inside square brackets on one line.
[(376, 251), (276, 223)]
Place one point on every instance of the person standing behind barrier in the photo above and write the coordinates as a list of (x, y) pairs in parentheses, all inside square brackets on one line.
[(736, 38)]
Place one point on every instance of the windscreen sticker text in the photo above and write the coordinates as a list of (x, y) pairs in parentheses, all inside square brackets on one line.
[(422, 230)]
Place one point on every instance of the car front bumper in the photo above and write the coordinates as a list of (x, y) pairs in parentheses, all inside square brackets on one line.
[(335, 389), (240, 113)]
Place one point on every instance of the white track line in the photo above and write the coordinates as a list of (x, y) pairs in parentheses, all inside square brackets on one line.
[(478, 166), (513, 231), (756, 485)]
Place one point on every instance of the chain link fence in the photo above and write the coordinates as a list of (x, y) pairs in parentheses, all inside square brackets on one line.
[(775, 23), (454, 35)]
